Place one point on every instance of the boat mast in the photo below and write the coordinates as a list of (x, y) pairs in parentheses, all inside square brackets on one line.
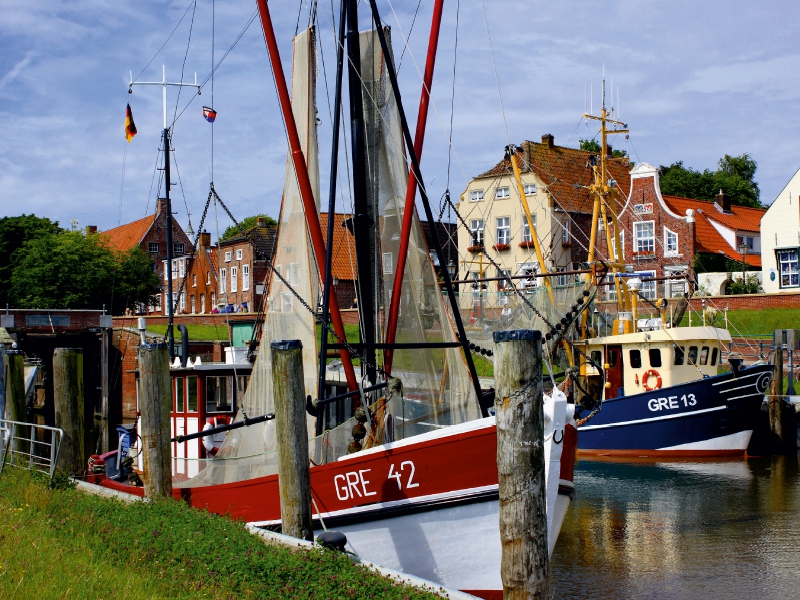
[(165, 135)]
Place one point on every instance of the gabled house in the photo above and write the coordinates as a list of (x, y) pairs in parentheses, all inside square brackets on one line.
[(243, 267), (150, 234), (780, 240), (201, 275)]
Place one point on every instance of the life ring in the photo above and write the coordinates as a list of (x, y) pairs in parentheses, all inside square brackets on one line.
[(210, 443), (647, 375)]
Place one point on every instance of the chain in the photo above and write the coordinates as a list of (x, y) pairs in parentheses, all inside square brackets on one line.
[(194, 251)]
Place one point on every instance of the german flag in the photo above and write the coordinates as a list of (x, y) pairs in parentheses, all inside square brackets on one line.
[(130, 127)]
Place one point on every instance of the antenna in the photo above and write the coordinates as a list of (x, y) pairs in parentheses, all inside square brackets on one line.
[(585, 90), (591, 106), (611, 85), (619, 112)]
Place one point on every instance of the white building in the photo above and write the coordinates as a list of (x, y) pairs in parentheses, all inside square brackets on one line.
[(780, 240)]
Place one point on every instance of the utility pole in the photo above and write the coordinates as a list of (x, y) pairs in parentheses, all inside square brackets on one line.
[(165, 135)]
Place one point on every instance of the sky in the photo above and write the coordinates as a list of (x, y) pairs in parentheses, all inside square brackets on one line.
[(694, 81)]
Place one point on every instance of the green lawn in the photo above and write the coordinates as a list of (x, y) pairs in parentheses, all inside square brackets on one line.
[(60, 543), (752, 323), (196, 332)]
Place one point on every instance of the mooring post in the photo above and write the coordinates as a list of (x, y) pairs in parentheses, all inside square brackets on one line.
[(155, 401), (518, 405), (776, 398), (294, 482), (68, 398), (16, 406)]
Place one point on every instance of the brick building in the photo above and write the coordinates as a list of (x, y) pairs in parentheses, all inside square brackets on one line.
[(150, 234), (199, 290), (343, 264), (243, 267)]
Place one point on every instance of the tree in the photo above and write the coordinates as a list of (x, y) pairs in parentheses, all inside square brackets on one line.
[(71, 270), (14, 232), (594, 146), (246, 224), (735, 176)]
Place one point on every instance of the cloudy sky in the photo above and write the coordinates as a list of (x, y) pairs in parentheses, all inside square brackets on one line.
[(695, 80)]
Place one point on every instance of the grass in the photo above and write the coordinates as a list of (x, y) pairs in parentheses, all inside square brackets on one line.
[(57, 543), (751, 323), (196, 332)]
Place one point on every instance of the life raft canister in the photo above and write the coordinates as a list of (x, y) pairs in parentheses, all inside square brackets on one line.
[(212, 443), (647, 375)]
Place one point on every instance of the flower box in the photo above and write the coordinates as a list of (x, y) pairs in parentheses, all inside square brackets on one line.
[(501, 247), (475, 249), (526, 244), (644, 255)]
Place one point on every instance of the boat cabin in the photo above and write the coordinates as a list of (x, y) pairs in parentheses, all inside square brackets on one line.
[(645, 360)]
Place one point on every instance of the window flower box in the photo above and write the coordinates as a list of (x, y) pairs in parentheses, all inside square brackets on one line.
[(526, 244), (476, 249), (644, 254), (501, 247)]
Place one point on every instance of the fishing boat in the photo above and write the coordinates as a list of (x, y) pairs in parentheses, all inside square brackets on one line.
[(648, 388), (407, 471)]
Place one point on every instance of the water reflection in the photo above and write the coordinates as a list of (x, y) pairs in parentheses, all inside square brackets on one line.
[(707, 529)]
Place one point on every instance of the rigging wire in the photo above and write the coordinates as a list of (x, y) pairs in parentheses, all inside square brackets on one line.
[(410, 30), (494, 66), (183, 67), (167, 40), (213, 70)]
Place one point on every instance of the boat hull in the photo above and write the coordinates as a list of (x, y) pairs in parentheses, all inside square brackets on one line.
[(714, 416)]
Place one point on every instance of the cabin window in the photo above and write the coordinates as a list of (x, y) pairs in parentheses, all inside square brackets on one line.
[(191, 404), (714, 353), (655, 357), (692, 355), (219, 394), (679, 355), (597, 358), (636, 359), (179, 394), (704, 356)]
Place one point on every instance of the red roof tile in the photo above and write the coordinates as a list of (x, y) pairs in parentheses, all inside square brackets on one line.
[(708, 238), (343, 265), (130, 235)]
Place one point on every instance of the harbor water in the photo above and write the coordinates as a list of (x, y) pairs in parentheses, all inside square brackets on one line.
[(710, 529)]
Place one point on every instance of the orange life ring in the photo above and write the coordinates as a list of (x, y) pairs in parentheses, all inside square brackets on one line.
[(647, 375)]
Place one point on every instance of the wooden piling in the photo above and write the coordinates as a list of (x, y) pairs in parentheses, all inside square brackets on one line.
[(68, 399), (525, 564), (155, 401), (776, 400), (294, 482), (15, 387)]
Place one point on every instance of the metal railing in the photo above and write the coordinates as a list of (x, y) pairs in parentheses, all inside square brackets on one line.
[(30, 446)]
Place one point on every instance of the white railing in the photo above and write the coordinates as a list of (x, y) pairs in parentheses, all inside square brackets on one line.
[(30, 446)]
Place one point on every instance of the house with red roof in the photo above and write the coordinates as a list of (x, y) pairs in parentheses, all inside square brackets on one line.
[(150, 234), (668, 238)]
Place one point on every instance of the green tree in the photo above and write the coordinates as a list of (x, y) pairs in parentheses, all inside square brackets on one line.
[(246, 224), (735, 176), (594, 146), (14, 232), (71, 270)]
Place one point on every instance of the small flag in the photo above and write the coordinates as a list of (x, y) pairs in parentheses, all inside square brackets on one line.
[(210, 114), (130, 126)]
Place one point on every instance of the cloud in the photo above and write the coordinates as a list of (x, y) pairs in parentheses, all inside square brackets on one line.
[(17, 69)]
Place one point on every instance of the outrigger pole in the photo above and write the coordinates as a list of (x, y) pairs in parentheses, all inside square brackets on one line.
[(448, 284), (306, 193), (411, 190), (167, 202)]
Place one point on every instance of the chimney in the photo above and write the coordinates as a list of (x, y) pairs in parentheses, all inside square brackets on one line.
[(547, 140), (205, 239), (160, 205), (90, 229), (261, 222), (724, 202), (609, 151)]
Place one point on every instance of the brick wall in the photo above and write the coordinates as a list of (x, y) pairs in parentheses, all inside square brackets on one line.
[(54, 321)]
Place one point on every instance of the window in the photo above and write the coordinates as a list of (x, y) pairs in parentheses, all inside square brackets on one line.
[(476, 227), (704, 356), (680, 351), (191, 399), (286, 302), (208, 277), (174, 268), (152, 247), (655, 357), (239, 254), (386, 262), (610, 287), (636, 359), (692, 355), (476, 195), (166, 275), (714, 353), (617, 254), (181, 267), (561, 279), (202, 304), (194, 279), (182, 301), (192, 304), (565, 233), (648, 287), (228, 256), (219, 394), (503, 283), (529, 189), (502, 192), (241, 385), (670, 243), (526, 229), (234, 282), (213, 299), (158, 302), (597, 359), (179, 394), (177, 248), (747, 240), (223, 281), (503, 230), (644, 237), (245, 277), (787, 263)]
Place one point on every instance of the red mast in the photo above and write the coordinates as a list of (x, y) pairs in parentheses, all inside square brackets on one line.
[(411, 190), (309, 206)]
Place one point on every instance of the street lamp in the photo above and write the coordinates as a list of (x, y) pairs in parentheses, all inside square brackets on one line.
[(743, 252), (451, 269)]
